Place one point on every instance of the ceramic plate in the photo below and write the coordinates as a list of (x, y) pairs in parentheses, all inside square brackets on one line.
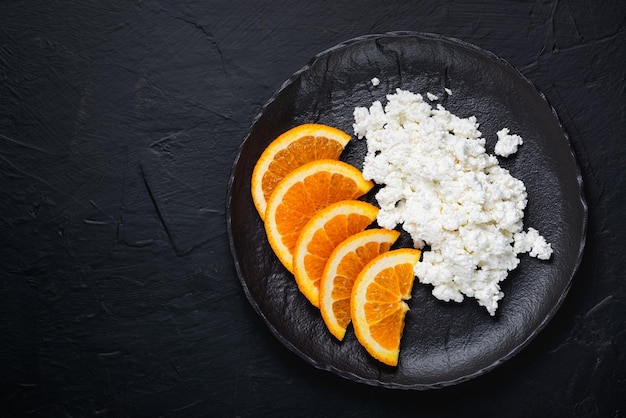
[(443, 343)]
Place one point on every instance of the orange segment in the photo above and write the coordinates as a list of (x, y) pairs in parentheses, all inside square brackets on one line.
[(378, 302), (291, 150), (303, 193), (319, 237), (341, 270)]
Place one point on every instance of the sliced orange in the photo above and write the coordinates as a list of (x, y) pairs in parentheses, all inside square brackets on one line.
[(303, 193), (378, 304), (342, 268), (289, 151), (319, 237)]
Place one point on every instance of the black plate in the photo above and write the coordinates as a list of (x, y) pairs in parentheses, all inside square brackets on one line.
[(443, 343)]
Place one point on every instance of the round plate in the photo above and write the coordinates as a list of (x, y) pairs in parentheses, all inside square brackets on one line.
[(443, 343)]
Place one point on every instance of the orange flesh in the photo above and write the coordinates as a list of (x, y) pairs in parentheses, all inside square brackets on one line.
[(300, 152), (326, 240), (306, 198)]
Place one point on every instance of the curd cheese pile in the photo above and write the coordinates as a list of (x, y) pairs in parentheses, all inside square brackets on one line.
[(447, 192)]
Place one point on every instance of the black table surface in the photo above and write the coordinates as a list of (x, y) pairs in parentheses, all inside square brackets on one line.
[(119, 125)]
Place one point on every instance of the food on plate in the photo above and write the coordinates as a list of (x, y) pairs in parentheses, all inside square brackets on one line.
[(321, 235), (296, 147), (507, 143), (437, 182), (341, 270), (304, 192), (378, 304), (447, 192)]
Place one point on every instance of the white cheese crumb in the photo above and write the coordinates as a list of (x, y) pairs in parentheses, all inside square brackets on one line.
[(507, 144), (432, 97), (375, 81), (448, 91), (532, 243), (439, 183)]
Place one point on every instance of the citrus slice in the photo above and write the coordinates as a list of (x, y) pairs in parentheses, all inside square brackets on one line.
[(341, 270), (378, 304), (301, 194), (289, 151), (319, 237)]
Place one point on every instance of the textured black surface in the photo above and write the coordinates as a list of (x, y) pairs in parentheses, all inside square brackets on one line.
[(119, 124), (441, 344)]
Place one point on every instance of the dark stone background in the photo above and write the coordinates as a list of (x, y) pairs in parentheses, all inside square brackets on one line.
[(119, 124)]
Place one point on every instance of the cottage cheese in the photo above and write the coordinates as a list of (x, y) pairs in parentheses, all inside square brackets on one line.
[(507, 144), (447, 192), (533, 243)]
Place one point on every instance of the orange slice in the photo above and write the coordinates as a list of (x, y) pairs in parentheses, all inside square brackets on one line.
[(343, 266), (289, 151), (378, 304), (303, 193), (319, 237)]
